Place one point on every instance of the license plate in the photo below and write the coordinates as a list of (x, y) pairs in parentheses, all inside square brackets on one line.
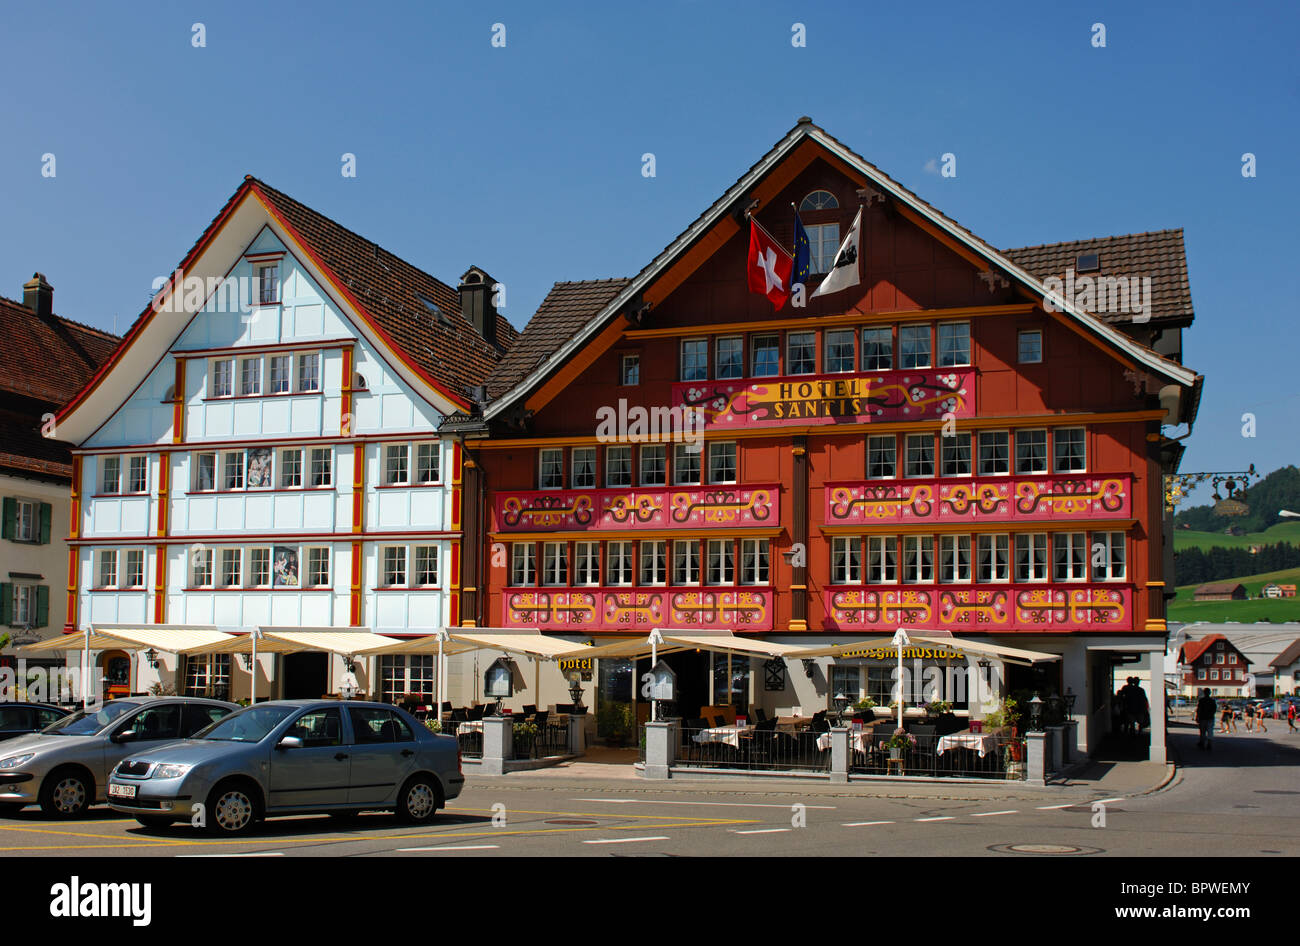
[(121, 791)]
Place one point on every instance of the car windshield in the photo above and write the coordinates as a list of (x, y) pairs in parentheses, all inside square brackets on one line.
[(247, 725), (87, 723)]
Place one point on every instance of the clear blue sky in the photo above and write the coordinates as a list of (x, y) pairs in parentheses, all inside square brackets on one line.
[(526, 159)]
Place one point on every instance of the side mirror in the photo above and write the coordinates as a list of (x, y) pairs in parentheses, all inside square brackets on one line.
[(289, 742), (125, 735)]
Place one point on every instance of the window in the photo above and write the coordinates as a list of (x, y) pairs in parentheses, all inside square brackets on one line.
[(322, 466), (258, 473), (920, 455), (318, 567), (230, 567), (1107, 556), (881, 457), (1200, 673), (232, 471), (137, 478), (396, 468), (823, 241), (1031, 451), (250, 376), (766, 354), (259, 568), (730, 357), (846, 560), (918, 558), (1031, 556), (1232, 658), (630, 370), (1214, 674), (111, 479), (427, 462), (426, 565), (686, 464), (722, 462), (586, 563), (991, 558), (223, 374), (839, 351), (201, 572), (134, 568), (686, 562), (550, 474), (1070, 453), (654, 562), (618, 562), (583, 460), (25, 521), (290, 468), (205, 472), (882, 559), (877, 349), (394, 566), (523, 564), (801, 353), (955, 455), (281, 370), (309, 372), (618, 466), (695, 359), (722, 563), (954, 344), (399, 675), (1219, 658), (994, 447), (954, 558), (914, 346), (268, 283), (845, 679), (1069, 556), (1031, 346), (555, 563), (819, 200), (28, 611), (754, 561), (107, 569), (654, 464)]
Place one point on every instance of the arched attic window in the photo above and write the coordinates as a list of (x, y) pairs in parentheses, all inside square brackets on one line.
[(823, 238), (819, 200)]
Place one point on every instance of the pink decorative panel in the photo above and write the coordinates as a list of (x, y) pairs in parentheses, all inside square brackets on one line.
[(983, 607), (639, 609), (991, 499), (630, 509)]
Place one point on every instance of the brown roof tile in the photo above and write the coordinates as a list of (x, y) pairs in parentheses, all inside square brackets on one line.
[(1288, 656), (48, 359)]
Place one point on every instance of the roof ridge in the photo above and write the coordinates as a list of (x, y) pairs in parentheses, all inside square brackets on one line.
[(1113, 236), (65, 320)]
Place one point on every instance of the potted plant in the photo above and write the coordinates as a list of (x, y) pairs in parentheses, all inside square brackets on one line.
[(433, 725), (525, 735), (899, 742)]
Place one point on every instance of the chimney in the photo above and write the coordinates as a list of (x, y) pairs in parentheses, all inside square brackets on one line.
[(38, 295), (476, 304)]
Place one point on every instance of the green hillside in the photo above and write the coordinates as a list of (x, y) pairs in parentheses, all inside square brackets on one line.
[(1282, 532), (1183, 608)]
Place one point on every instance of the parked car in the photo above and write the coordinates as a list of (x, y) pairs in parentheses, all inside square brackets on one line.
[(292, 757), (64, 768), (19, 719)]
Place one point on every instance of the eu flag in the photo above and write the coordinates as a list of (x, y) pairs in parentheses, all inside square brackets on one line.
[(802, 252)]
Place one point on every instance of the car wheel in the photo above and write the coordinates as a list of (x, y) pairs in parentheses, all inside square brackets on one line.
[(66, 793), (233, 808), (10, 808), (419, 800), (155, 821)]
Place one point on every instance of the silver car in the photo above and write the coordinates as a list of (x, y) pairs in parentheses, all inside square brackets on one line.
[(292, 757), (64, 767)]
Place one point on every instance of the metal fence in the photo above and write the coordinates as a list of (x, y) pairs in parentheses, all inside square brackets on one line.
[(727, 747), (468, 736), (534, 740), (970, 755)]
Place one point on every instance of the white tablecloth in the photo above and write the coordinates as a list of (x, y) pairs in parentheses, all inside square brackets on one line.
[(982, 742), (728, 735), (857, 739), (473, 725)]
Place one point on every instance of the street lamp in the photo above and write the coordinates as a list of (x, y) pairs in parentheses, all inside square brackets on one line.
[(151, 655), (841, 703), (1036, 714), (575, 690), (1070, 697)]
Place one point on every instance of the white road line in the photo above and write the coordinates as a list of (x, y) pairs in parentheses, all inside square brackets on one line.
[(762, 831), (940, 818), (990, 814), (1106, 801), (454, 847), (658, 837), (253, 854), (713, 804), (863, 824), (1055, 807)]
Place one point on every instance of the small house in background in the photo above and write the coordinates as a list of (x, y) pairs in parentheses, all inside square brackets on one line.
[(1213, 662), (1279, 591), (1220, 591), (1286, 669)]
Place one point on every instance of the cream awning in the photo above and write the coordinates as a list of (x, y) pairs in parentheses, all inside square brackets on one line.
[(717, 641), (942, 638), (525, 642), (286, 640), (170, 638)]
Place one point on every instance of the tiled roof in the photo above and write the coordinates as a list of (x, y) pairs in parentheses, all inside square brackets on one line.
[(1159, 254), (566, 309), (23, 450), (1193, 649), (1288, 656), (48, 359), (389, 288), (1217, 588)]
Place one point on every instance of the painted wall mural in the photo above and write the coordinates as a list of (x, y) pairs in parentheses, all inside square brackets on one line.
[(984, 607), (831, 399), (631, 509), (1001, 499), (639, 609)]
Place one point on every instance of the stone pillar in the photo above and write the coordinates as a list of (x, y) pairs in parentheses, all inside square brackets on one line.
[(839, 755), (498, 744), (577, 734), (1070, 743), (1056, 742), (660, 739), (1156, 701), (1074, 678), (1036, 758)]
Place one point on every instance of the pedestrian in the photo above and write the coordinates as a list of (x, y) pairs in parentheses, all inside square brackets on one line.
[(1225, 717), (1261, 715), (1250, 718), (1290, 716), (1205, 719)]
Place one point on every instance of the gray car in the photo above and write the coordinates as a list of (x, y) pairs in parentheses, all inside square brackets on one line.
[(64, 767), (292, 757)]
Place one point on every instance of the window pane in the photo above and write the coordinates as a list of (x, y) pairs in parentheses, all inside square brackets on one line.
[(290, 468), (233, 471), (731, 357), (1069, 447), (722, 462), (839, 351), (112, 478), (767, 355), (881, 457), (1031, 347), (631, 370), (281, 367), (551, 472), (993, 448), (250, 376), (920, 455), (396, 470), (956, 455), (618, 466), (654, 465), (801, 353), (914, 346), (427, 462), (309, 372), (584, 467), (877, 349), (954, 343), (1031, 451), (695, 359), (686, 464)]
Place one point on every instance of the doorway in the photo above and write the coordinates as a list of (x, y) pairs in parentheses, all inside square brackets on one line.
[(115, 669), (692, 669), (305, 676)]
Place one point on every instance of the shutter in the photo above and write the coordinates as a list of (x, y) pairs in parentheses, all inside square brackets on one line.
[(42, 605), (6, 602), (10, 527), (46, 511)]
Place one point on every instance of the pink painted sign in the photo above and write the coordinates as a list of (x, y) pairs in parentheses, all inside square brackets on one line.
[(992, 499), (982, 607), (639, 609), (926, 394), (632, 509)]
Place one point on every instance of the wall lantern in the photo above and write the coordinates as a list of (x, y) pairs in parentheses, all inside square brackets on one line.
[(575, 690), (151, 655), (808, 665), (1036, 714)]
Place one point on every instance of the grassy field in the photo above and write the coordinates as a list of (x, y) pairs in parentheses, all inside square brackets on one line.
[(1183, 608), (1282, 532)]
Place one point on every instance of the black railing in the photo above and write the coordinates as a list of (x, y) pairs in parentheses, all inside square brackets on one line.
[(538, 741), (727, 747), (961, 755)]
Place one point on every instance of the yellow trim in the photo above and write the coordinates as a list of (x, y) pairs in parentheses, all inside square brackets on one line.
[(798, 587), (798, 625), (1155, 584), (847, 318), (974, 526), (1153, 625)]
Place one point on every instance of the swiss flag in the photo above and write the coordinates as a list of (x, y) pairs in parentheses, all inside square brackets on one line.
[(770, 266)]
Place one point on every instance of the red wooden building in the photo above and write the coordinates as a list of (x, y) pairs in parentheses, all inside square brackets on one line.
[(931, 448), (1215, 663)]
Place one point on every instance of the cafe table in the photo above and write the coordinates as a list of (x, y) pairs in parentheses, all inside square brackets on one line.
[(725, 735), (981, 742), (469, 726)]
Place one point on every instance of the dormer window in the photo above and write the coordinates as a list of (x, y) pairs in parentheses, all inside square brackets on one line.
[(1087, 263), (823, 238), (268, 283), (819, 200)]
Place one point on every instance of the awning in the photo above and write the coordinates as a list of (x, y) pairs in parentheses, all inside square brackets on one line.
[(1014, 655), (718, 641), (284, 640), (525, 642), (170, 638)]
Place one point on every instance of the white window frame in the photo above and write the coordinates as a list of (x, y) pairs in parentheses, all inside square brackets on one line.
[(105, 464), (837, 337), (320, 475), (624, 453), (687, 456), (918, 559), (846, 560), (954, 362), (232, 568), (424, 567), (875, 331), (882, 559), (393, 562), (810, 346), (555, 564), (920, 441), (1021, 336), (909, 361), (653, 554), (721, 562), (649, 451), (1113, 553), (1057, 465), (586, 564), (259, 561), (955, 441), (134, 562), (291, 467), (629, 367), (686, 562), (260, 271), (523, 565), (738, 366), (550, 468), (302, 376), (723, 448), (221, 378), (955, 559), (769, 342), (993, 558), (578, 478), (618, 564), (1033, 557), (428, 463), (311, 576), (1069, 557), (979, 452), (876, 446), (699, 359), (402, 452), (196, 479), (105, 569), (279, 374), (1027, 438), (201, 568), (250, 381), (755, 561), (26, 521)]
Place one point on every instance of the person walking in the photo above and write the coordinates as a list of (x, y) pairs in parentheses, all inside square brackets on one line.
[(1225, 718), (1250, 718), (1290, 716), (1205, 720), (1260, 716)]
